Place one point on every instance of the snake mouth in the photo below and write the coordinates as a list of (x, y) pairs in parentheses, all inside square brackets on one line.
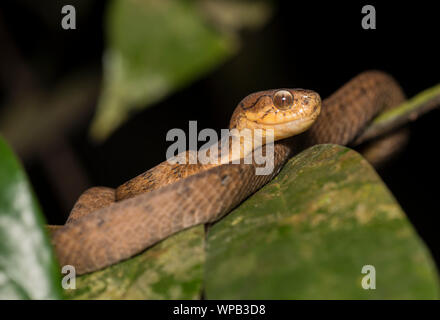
[(279, 123), (286, 129), (288, 124), (290, 128)]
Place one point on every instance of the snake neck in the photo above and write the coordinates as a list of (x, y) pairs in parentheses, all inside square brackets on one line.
[(236, 147)]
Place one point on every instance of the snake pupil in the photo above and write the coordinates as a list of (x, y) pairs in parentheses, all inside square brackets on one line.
[(283, 99)]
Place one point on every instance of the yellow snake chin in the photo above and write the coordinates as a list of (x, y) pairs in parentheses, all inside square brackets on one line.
[(291, 128)]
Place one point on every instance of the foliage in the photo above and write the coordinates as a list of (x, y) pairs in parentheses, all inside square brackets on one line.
[(27, 266)]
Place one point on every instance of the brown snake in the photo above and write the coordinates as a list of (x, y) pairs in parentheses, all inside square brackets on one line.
[(107, 225)]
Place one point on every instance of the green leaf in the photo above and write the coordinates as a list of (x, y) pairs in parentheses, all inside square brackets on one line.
[(153, 48), (27, 266), (172, 269), (308, 234)]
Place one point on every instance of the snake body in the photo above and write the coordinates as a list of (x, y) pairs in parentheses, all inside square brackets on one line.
[(107, 225)]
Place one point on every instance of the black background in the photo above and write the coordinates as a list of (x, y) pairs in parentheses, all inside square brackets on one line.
[(275, 309), (309, 44)]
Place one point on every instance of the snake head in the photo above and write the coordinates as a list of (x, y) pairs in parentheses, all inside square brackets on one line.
[(287, 111)]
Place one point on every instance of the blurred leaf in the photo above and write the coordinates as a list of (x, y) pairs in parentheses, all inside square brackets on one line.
[(172, 269), (38, 119), (153, 48), (27, 266), (308, 233), (234, 15)]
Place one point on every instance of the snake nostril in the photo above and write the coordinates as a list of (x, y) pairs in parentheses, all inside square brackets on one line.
[(283, 99)]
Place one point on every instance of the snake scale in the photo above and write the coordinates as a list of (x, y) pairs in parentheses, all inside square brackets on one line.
[(108, 225)]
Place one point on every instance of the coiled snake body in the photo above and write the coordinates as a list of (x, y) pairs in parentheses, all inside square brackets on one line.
[(107, 225)]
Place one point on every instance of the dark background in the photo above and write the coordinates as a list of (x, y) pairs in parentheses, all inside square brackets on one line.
[(316, 45)]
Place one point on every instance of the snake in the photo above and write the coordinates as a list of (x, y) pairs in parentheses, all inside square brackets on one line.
[(109, 225)]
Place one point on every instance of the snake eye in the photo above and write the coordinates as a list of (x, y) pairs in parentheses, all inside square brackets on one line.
[(283, 99)]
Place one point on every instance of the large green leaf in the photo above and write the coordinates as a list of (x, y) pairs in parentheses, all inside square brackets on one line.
[(172, 269), (153, 47), (27, 266), (308, 234)]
